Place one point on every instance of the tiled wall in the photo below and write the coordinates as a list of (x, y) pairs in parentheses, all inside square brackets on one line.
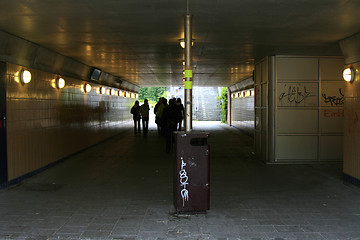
[(243, 112), (46, 124), (352, 128)]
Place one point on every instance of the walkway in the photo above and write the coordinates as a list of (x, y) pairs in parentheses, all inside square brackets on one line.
[(122, 189)]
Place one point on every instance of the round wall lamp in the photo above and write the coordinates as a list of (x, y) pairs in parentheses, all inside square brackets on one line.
[(25, 76), (349, 74), (111, 92), (101, 90), (182, 42), (60, 83), (86, 88)]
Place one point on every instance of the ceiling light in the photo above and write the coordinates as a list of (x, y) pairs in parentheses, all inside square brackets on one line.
[(349, 74)]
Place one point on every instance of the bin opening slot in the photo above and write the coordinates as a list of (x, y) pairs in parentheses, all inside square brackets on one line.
[(198, 141)]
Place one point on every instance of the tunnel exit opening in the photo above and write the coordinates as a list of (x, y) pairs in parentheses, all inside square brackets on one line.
[(206, 100)]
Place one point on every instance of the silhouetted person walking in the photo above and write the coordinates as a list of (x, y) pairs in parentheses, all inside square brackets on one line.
[(169, 120), (158, 110), (136, 116), (144, 112), (179, 113)]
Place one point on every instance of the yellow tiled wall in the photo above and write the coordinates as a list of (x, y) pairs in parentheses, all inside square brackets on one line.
[(352, 127), (46, 124), (243, 112)]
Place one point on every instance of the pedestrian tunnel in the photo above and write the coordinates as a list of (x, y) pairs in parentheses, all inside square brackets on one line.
[(52, 117)]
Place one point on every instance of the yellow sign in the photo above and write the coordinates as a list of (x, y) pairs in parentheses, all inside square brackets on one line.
[(188, 73), (188, 84)]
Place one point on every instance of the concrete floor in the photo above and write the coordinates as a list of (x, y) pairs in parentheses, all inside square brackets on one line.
[(122, 189)]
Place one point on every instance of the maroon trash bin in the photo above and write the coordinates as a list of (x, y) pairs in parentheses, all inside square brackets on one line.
[(192, 172)]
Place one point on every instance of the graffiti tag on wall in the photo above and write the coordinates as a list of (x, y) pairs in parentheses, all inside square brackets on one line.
[(334, 100), (334, 113), (295, 94)]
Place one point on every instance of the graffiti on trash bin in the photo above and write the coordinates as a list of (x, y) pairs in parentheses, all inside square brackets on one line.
[(183, 182)]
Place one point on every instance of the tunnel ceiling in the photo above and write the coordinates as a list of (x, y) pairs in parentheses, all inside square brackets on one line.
[(138, 40)]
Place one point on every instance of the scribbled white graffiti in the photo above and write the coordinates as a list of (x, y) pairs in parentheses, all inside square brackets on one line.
[(184, 182)]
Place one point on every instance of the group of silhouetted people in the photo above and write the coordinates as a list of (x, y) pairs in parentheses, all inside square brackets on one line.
[(141, 112), (168, 117)]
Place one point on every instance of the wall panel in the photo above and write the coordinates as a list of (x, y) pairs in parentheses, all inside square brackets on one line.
[(332, 120), (298, 110), (261, 110), (297, 94), (296, 148), (297, 69), (332, 93), (258, 93), (297, 121), (331, 69)]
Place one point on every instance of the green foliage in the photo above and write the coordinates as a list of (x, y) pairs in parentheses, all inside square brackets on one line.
[(152, 93), (223, 103)]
